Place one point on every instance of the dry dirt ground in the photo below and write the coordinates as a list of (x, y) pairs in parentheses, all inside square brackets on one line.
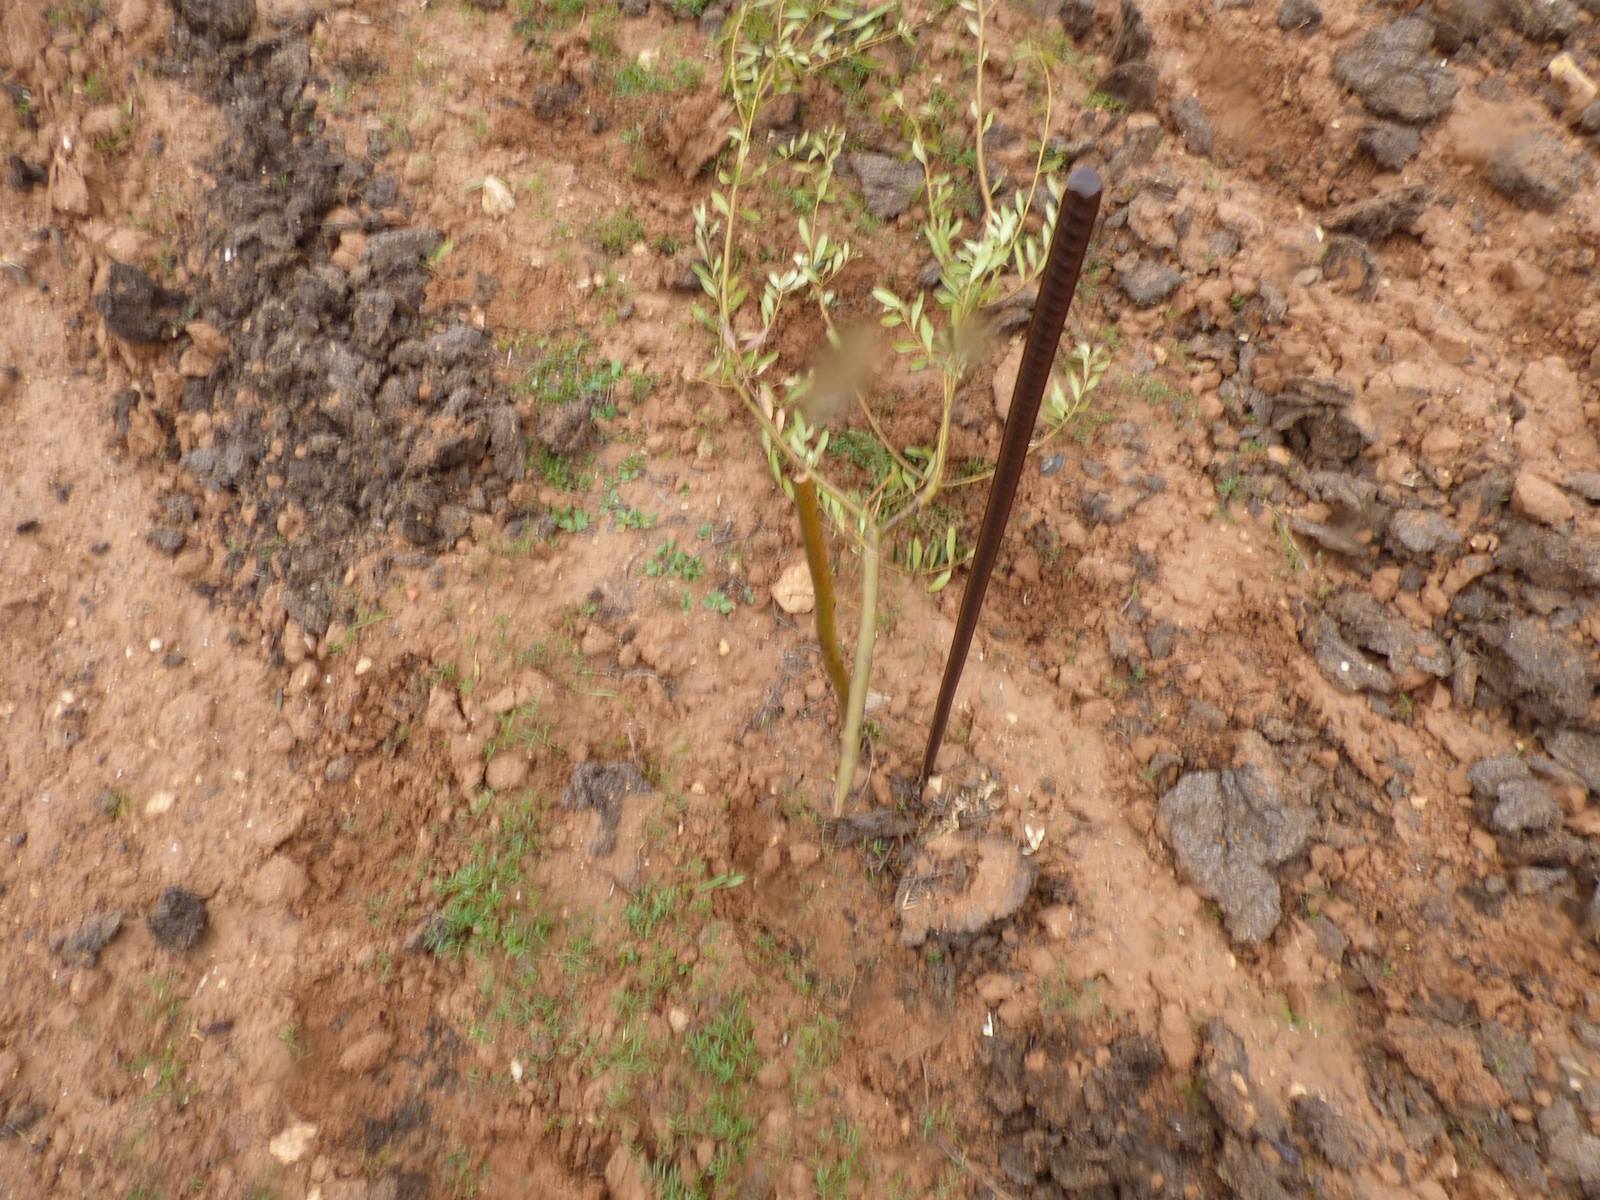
[(409, 788)]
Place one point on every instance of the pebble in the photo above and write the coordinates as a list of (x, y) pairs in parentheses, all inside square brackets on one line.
[(793, 592), (506, 771), (497, 198), (1539, 499), (291, 1145), (159, 803), (678, 1020)]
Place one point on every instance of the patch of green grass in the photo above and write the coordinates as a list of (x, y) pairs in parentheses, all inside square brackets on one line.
[(718, 602), (616, 232), (487, 902), (1104, 102), (567, 371), (519, 727), (863, 451), (723, 1052), (668, 75), (648, 907), (837, 1162), (462, 1176)]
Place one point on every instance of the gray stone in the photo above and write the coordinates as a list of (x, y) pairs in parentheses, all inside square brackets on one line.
[(1370, 626), (1389, 144), (888, 185), (1390, 70), (1578, 751), (1335, 1138), (1189, 116), (1148, 283), (1572, 1153), (1549, 679), (339, 769), (83, 948), (1303, 15), (1525, 806), (1534, 172), (1077, 17), (1424, 532), (1227, 830), (1589, 118), (1346, 666), (1542, 20)]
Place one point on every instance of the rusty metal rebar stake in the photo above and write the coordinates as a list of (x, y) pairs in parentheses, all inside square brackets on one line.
[(1068, 245)]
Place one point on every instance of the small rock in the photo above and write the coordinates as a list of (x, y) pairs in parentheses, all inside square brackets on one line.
[(340, 769), (793, 592), (159, 803), (1303, 15), (291, 1145), (506, 771), (1192, 123), (178, 920), (1589, 119), (888, 185), (1148, 283), (1535, 172), (1389, 144), (497, 198), (678, 1020), (1540, 500), (1579, 752)]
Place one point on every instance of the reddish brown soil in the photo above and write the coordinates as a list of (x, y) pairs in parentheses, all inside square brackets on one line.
[(375, 670)]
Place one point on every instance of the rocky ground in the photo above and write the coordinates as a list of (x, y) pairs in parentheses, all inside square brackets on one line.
[(415, 776)]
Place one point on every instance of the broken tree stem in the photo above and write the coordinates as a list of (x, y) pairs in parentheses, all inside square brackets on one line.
[(1068, 245), (805, 501), (850, 745)]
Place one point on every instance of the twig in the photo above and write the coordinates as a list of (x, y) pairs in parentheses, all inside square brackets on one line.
[(805, 502)]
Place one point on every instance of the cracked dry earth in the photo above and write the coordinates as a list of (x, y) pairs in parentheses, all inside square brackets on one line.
[(409, 787)]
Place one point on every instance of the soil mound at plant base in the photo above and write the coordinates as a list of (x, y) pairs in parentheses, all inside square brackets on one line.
[(315, 395), (959, 883)]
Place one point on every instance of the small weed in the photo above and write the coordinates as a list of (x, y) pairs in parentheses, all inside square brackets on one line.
[(290, 1037), (669, 562), (667, 76), (717, 602), (487, 903), (616, 232), (1104, 102)]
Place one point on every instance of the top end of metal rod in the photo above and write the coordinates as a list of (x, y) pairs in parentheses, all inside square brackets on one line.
[(1084, 182)]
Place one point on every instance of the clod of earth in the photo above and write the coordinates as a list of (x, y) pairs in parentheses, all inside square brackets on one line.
[(1548, 678), (1148, 283), (1509, 800), (1190, 117), (1227, 830), (227, 19), (1302, 15), (1131, 83), (138, 309), (888, 185), (601, 788), (1379, 216), (1390, 69), (178, 920), (1389, 144), (960, 883), (1535, 172), (83, 948)]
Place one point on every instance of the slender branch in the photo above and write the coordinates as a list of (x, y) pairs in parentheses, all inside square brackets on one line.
[(850, 743), (977, 117), (805, 502)]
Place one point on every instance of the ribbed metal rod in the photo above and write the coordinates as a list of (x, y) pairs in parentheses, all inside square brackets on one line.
[(1063, 266)]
